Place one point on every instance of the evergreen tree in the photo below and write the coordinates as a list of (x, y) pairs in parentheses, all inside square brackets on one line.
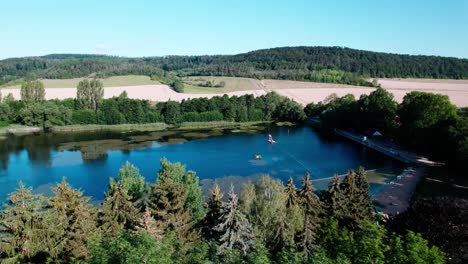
[(167, 203), (236, 230), (189, 181), (365, 199), (291, 194), (149, 225), (213, 215), (23, 227), (132, 181), (334, 200), (312, 211), (118, 211), (351, 195), (75, 222)]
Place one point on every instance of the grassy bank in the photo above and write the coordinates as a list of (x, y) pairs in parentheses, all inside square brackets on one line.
[(120, 127), (23, 130), (219, 124)]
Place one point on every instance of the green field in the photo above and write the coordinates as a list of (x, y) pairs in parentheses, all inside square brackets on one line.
[(192, 84), (125, 80)]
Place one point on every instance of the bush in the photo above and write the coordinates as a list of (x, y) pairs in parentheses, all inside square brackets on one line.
[(84, 117)]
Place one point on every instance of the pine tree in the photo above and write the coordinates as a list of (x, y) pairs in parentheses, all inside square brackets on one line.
[(132, 181), (167, 205), (353, 200), (365, 199), (75, 222), (334, 201), (236, 231), (149, 225), (118, 211), (212, 218), (312, 211), (22, 225), (291, 193)]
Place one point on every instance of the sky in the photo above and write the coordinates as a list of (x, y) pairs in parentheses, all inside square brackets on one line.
[(136, 28)]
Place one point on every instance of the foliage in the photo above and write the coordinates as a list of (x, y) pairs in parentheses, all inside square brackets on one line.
[(32, 91), (89, 93), (234, 227), (272, 223), (323, 64)]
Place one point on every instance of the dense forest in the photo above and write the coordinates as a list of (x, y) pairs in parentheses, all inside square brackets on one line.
[(169, 221), (322, 64)]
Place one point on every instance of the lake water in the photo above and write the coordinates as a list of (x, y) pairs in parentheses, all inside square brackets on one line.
[(89, 159)]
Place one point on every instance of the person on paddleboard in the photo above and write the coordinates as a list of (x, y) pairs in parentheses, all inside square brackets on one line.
[(270, 139)]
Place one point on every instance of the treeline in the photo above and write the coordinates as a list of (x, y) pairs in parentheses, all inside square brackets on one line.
[(89, 107), (169, 222), (426, 122), (338, 64)]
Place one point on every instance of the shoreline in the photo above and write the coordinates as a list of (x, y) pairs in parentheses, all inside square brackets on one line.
[(20, 130)]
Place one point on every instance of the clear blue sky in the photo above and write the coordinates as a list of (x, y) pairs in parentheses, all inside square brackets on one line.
[(194, 27)]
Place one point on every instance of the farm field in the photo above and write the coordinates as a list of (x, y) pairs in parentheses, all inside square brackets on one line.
[(114, 81), (141, 87)]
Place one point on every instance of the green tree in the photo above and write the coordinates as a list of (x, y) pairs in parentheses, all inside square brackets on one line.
[(236, 230), (378, 110), (171, 112), (118, 212), (89, 93), (334, 201), (5, 112), (22, 226), (291, 193), (420, 111), (74, 222), (190, 182), (131, 247), (32, 91), (364, 202), (132, 182), (213, 215), (414, 249), (312, 210), (178, 86)]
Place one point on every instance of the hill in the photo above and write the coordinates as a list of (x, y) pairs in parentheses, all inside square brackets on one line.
[(320, 64)]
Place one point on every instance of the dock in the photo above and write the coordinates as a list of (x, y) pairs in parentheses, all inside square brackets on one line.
[(393, 152)]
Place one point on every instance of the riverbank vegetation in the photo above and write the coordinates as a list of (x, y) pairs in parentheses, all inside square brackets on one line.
[(320, 64), (89, 108), (170, 222), (425, 122)]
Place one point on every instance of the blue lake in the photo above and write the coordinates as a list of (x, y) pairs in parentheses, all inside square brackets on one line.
[(89, 159)]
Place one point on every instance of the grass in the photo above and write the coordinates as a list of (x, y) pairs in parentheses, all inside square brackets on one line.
[(218, 124), (114, 81), (232, 84), (149, 127), (120, 127)]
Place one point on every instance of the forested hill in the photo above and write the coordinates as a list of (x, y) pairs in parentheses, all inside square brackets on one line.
[(326, 64)]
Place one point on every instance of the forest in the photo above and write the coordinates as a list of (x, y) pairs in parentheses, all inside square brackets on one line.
[(89, 107), (425, 122), (169, 221), (320, 64)]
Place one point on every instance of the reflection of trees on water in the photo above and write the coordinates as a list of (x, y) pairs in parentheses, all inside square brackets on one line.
[(4, 154), (93, 152), (38, 148)]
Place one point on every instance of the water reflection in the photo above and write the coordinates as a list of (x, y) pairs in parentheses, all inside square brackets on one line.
[(89, 159)]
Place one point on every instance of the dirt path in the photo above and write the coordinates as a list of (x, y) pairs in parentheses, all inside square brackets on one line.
[(395, 198)]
